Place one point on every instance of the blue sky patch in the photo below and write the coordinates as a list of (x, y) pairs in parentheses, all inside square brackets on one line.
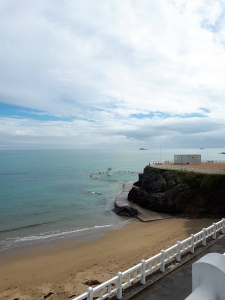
[(14, 111), (205, 109), (163, 115), (151, 115), (193, 115), (215, 27)]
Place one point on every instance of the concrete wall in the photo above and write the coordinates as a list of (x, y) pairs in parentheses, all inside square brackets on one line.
[(208, 278)]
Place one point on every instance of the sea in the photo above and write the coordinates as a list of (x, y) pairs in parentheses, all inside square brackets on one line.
[(49, 195)]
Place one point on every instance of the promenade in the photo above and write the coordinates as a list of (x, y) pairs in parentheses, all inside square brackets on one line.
[(178, 284), (204, 167)]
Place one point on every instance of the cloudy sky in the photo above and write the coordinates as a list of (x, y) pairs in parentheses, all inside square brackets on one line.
[(112, 74)]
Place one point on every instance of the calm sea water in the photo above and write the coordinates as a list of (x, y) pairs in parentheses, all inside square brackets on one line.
[(50, 194)]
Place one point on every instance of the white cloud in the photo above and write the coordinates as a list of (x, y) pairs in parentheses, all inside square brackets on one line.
[(103, 61)]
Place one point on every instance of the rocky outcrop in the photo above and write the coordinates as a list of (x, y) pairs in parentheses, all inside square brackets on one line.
[(125, 211), (179, 192)]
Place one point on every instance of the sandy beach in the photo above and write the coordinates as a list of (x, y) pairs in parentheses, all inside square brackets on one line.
[(64, 270)]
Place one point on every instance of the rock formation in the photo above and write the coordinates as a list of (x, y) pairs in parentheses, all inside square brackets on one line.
[(125, 211), (180, 192)]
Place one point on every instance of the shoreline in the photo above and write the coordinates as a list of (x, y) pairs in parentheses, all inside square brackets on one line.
[(82, 238), (65, 269), (82, 232), (91, 233)]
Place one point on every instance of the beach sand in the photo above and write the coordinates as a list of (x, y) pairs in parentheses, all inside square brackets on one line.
[(66, 268)]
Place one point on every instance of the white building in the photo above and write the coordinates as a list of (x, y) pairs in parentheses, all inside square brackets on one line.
[(184, 159)]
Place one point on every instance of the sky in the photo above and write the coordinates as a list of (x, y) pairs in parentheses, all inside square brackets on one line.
[(112, 74)]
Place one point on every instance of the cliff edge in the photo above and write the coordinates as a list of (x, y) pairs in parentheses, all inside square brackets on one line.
[(180, 192)]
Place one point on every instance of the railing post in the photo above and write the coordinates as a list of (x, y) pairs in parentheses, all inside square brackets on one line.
[(192, 244), (178, 258), (223, 227), (119, 286), (90, 293), (162, 267), (143, 271), (204, 236), (214, 231)]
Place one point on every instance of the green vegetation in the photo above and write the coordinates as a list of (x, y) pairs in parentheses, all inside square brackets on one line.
[(203, 183), (212, 181), (149, 169), (198, 182)]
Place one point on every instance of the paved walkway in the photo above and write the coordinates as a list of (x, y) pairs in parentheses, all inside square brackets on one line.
[(144, 215), (178, 284), (209, 168)]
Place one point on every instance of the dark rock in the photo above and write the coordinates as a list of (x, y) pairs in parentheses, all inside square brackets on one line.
[(48, 295), (179, 192), (137, 183), (125, 211), (92, 282)]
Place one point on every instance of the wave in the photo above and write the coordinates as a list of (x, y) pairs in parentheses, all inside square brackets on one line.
[(25, 227), (15, 242), (97, 193), (11, 174)]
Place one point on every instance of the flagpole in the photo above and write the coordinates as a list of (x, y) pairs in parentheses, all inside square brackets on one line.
[(160, 153)]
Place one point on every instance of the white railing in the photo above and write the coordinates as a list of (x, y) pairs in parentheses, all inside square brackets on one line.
[(132, 274), (214, 161), (186, 245), (139, 272), (172, 161)]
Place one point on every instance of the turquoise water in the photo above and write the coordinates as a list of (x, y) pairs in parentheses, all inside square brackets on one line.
[(53, 194)]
